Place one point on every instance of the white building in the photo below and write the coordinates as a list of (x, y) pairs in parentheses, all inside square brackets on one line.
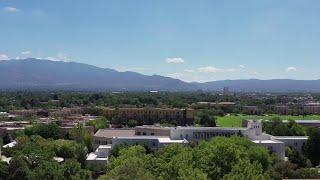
[(156, 137), (295, 142), (273, 146), (101, 155), (153, 142)]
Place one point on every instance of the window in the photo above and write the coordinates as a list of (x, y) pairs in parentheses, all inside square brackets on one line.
[(138, 133), (152, 134), (153, 144), (144, 133)]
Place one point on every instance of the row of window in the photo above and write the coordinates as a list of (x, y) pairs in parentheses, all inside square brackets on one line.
[(207, 135)]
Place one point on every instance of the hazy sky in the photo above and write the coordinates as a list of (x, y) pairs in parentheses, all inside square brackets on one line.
[(193, 40)]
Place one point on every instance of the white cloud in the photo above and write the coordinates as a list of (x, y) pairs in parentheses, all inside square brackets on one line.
[(11, 9), (3, 57), (255, 73), (175, 60), (58, 57), (242, 66), (25, 52), (210, 69), (291, 69), (231, 70), (189, 70)]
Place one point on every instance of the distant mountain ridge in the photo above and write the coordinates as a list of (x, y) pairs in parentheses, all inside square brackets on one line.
[(45, 74)]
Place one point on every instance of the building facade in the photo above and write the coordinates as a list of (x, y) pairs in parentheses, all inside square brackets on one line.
[(152, 115)]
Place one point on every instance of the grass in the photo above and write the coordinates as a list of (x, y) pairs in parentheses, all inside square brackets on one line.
[(236, 120)]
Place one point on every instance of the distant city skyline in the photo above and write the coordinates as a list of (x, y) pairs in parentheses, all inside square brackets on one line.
[(190, 40)]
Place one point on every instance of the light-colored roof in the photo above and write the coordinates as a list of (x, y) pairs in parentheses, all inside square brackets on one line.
[(58, 159), (308, 121), (291, 137), (267, 142), (206, 128), (10, 145), (110, 133), (5, 159), (140, 137), (168, 140), (161, 139), (153, 127)]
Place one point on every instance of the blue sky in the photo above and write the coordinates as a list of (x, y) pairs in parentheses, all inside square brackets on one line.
[(191, 40)]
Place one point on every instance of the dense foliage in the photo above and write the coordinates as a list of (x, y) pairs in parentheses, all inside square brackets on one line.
[(220, 158), (278, 128), (58, 99), (33, 158)]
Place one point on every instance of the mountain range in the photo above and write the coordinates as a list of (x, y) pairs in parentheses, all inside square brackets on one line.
[(58, 75)]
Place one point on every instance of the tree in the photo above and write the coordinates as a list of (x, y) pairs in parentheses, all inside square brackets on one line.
[(72, 170), (18, 168), (282, 169), (99, 123), (80, 135), (51, 130), (207, 120), (244, 170), (132, 123), (298, 158), (307, 173), (7, 138), (47, 170), (4, 170), (312, 147), (132, 163), (176, 162)]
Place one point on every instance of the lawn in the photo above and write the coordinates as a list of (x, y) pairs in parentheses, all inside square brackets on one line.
[(236, 120)]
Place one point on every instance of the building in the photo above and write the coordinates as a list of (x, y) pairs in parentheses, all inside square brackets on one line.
[(152, 142), (281, 109), (152, 115), (101, 155), (150, 130), (252, 131), (312, 108), (309, 123), (104, 136), (273, 146), (250, 110), (295, 142)]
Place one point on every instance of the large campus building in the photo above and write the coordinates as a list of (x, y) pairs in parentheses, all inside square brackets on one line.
[(152, 115), (156, 137)]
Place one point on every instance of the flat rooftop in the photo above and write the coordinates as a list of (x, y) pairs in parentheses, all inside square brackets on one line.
[(292, 137), (267, 142), (110, 133), (141, 137), (206, 128), (308, 121), (161, 139)]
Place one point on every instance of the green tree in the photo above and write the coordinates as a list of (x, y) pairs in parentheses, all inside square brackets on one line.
[(132, 123), (4, 170), (18, 168), (80, 135), (312, 147), (99, 123), (132, 163), (176, 162), (47, 170), (72, 170), (245, 170)]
